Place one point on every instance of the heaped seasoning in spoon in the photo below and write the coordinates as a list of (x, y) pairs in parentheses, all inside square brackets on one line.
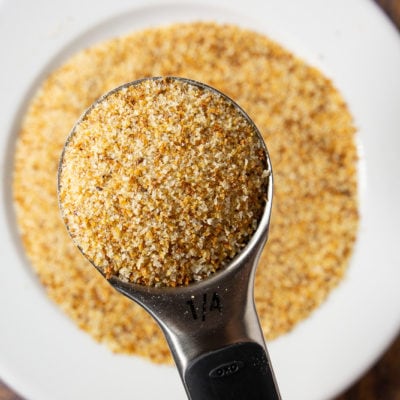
[(163, 182)]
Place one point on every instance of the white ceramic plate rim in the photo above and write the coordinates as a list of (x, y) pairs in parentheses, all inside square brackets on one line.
[(44, 356)]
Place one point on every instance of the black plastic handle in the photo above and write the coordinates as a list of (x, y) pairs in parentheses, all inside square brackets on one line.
[(236, 372)]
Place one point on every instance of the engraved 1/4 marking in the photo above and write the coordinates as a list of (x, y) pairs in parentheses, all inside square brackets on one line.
[(206, 305)]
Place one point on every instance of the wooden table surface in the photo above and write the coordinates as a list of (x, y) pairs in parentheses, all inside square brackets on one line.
[(382, 381)]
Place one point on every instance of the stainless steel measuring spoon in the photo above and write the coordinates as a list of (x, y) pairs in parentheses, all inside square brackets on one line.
[(211, 326)]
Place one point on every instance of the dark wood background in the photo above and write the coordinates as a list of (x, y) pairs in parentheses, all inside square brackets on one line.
[(382, 381)]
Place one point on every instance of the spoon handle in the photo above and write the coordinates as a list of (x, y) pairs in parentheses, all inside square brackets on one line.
[(240, 371)]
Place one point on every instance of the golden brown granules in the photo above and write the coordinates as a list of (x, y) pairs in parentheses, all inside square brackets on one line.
[(310, 137), (163, 182)]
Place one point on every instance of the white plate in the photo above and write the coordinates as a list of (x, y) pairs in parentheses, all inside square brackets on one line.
[(45, 357)]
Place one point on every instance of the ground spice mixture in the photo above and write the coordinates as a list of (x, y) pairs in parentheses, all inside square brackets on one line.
[(310, 136), (163, 182)]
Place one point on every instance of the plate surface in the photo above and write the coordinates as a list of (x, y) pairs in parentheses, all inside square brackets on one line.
[(45, 357)]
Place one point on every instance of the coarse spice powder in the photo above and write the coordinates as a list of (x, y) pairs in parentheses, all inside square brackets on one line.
[(163, 182), (310, 136)]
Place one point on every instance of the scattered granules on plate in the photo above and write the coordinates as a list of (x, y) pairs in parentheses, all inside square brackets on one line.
[(310, 137), (163, 182)]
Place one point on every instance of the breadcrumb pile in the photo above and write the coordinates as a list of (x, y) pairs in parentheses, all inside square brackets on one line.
[(310, 137), (163, 182)]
